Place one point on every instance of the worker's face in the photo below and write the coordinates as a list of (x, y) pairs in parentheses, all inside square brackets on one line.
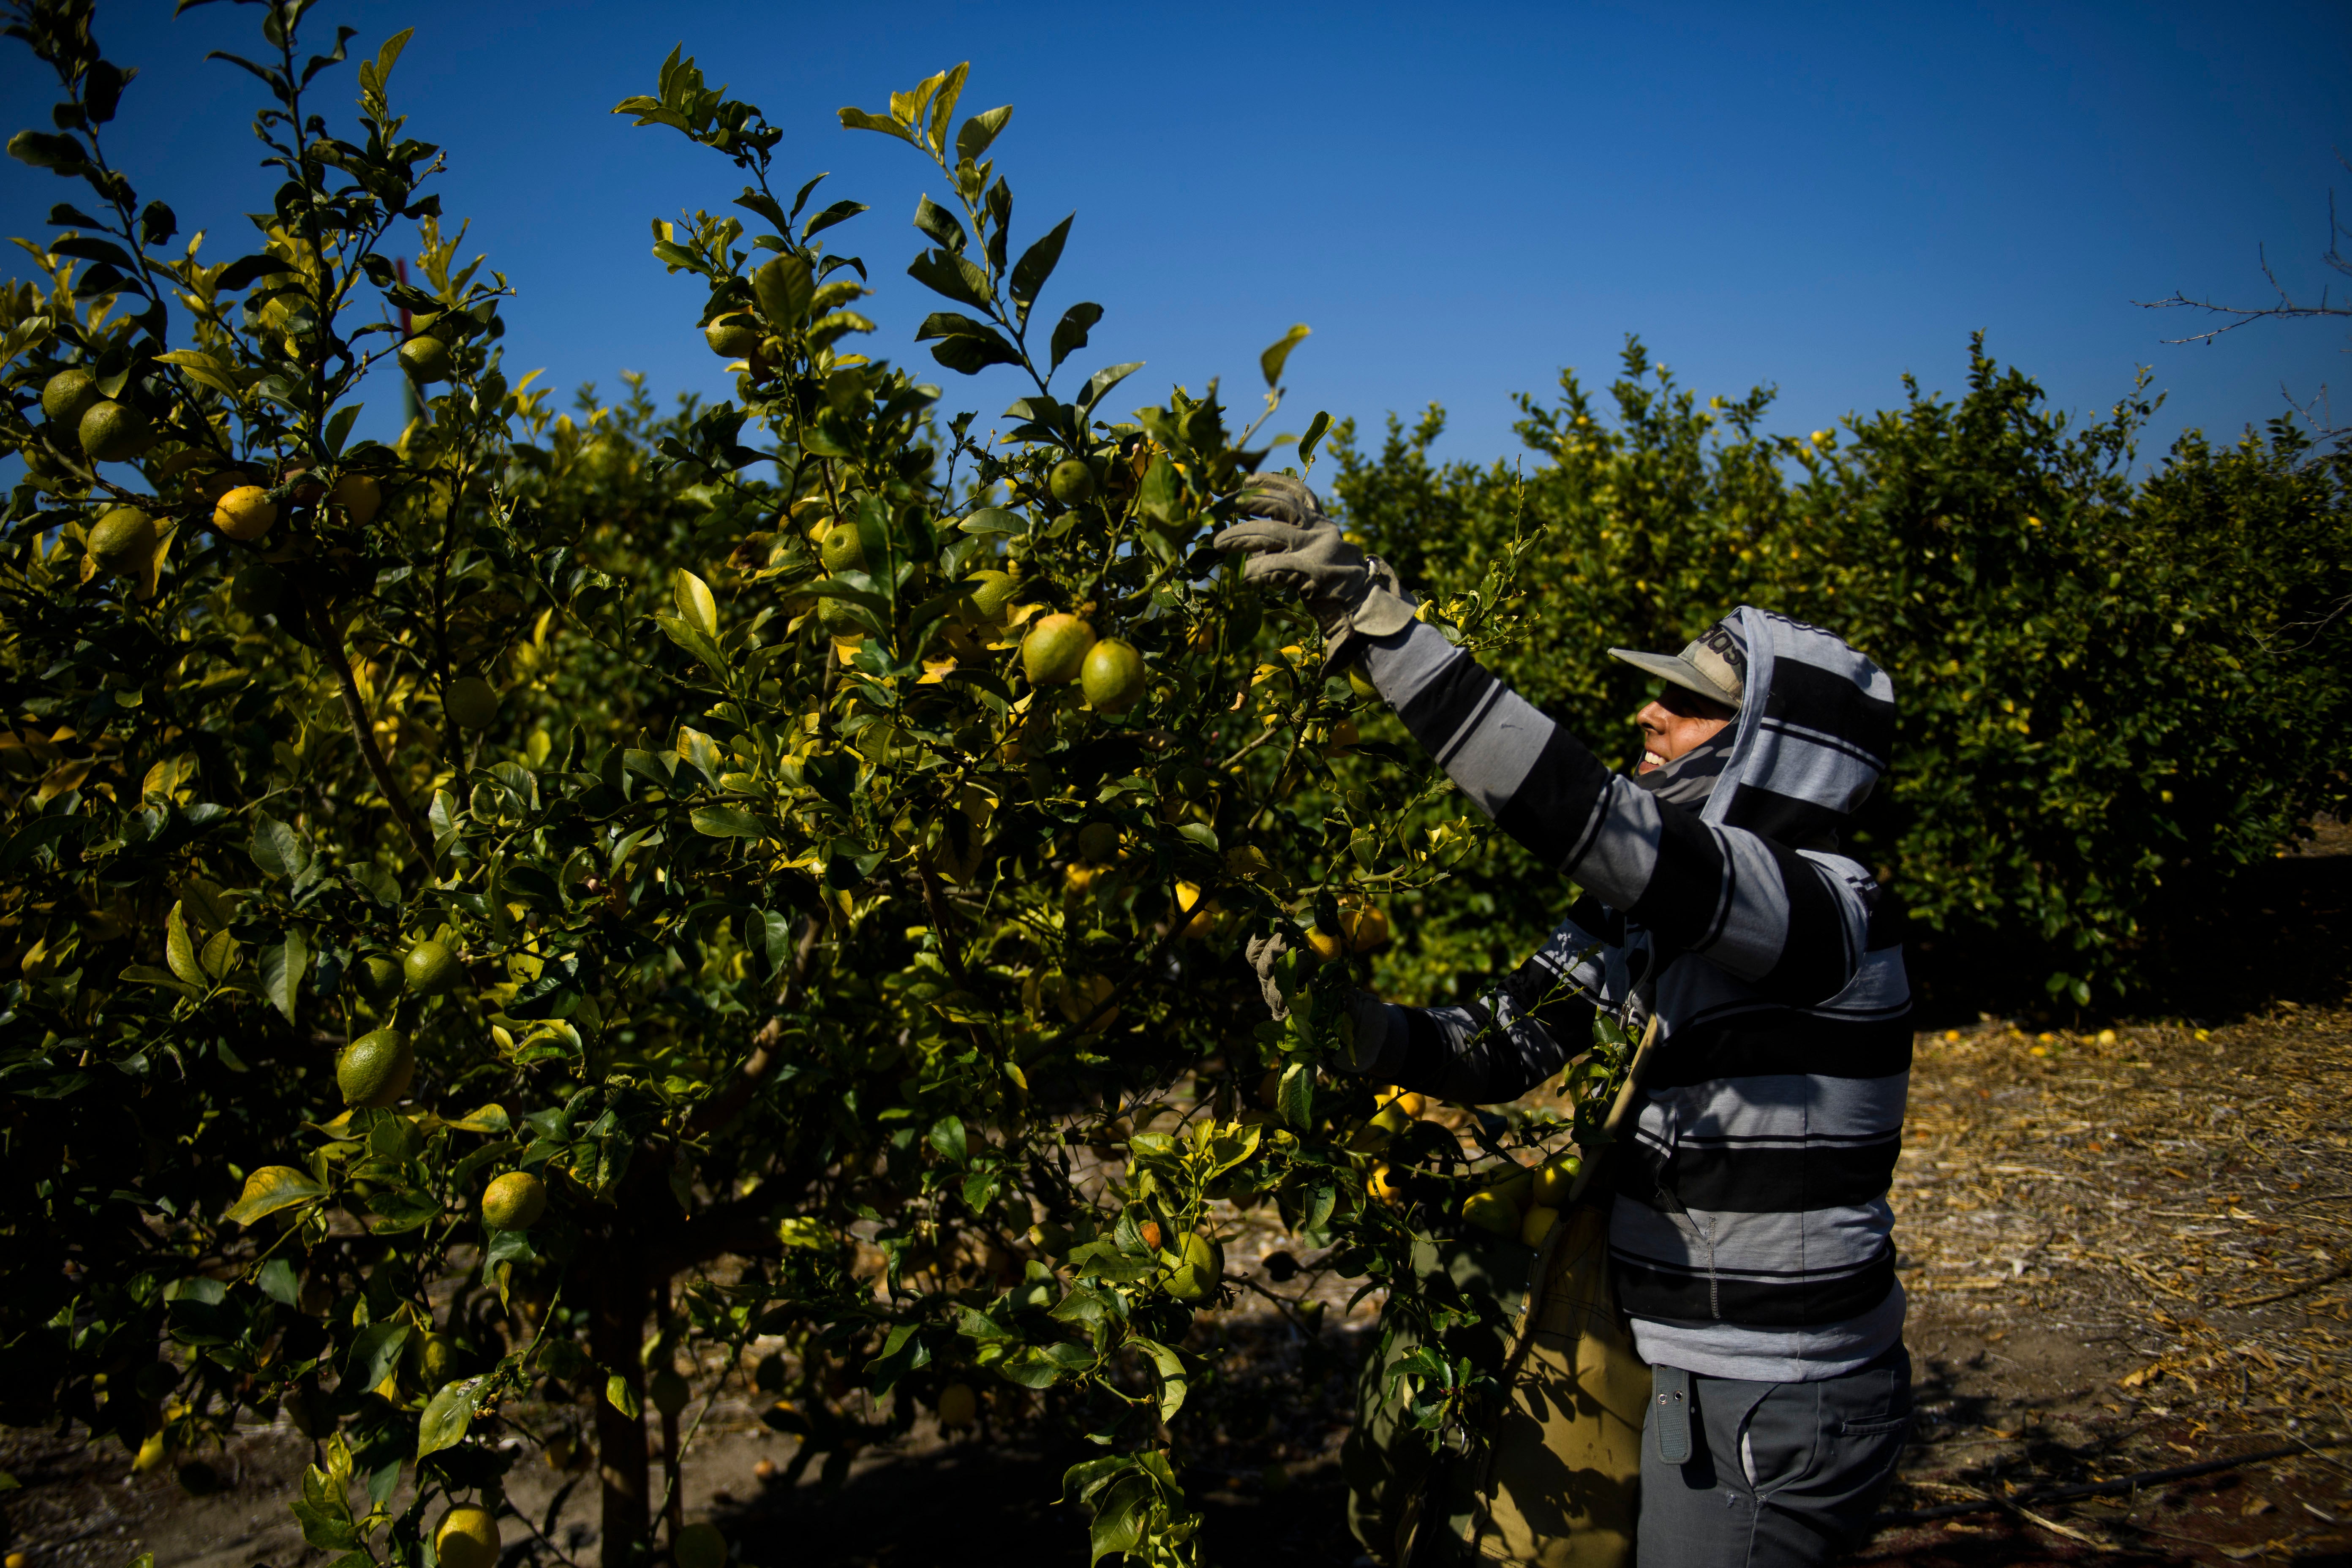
[(1676, 721)]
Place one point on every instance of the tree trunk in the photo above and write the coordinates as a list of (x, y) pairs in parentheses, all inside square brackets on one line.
[(616, 1339)]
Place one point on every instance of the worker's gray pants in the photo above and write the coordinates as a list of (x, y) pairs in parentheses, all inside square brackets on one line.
[(1779, 1473)]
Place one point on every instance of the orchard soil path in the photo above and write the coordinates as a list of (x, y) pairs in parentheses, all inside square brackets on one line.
[(2125, 1252)]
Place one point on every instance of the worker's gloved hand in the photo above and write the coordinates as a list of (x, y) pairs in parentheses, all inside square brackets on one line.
[(1368, 1014), (1292, 545)]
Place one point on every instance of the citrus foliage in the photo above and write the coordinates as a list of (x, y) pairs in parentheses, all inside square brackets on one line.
[(484, 897), (2109, 689)]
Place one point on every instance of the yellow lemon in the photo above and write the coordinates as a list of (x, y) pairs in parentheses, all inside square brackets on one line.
[(959, 1405), (1491, 1210), (514, 1201), (1556, 1179), (467, 1538), (245, 512), (1384, 1185), (1538, 1225), (360, 497)]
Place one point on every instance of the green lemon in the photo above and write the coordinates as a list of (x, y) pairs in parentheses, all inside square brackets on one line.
[(434, 1359), (669, 1391), (514, 1201), (838, 619), (471, 704), (1112, 676), (1204, 1265), (1054, 650), (1098, 842), (375, 1070), (842, 551), (1072, 482), (425, 359), (467, 1538), (1491, 1210), (1556, 1179), (114, 431), (991, 590), (430, 969), (67, 395), (699, 1546), (732, 337), (377, 978), (124, 542)]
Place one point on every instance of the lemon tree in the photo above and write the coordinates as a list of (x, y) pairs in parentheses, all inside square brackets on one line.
[(505, 913)]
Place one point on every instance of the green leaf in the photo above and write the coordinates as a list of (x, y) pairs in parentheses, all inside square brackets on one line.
[(447, 1417), (948, 1138), (858, 119), (278, 1281), (967, 345), (621, 1396), (1271, 362), (1170, 1370), (695, 605), (269, 1189), (205, 370), (1315, 433), (179, 952), (785, 288), (979, 131), (282, 964), (731, 822), (1294, 1096), (1070, 331), (993, 520), (945, 272), (276, 848), (940, 224), (374, 1352), (943, 106), (1037, 263)]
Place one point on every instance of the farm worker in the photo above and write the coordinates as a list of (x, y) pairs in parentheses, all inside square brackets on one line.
[(1748, 1234)]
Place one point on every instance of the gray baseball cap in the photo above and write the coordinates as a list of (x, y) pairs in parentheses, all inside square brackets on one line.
[(1714, 665)]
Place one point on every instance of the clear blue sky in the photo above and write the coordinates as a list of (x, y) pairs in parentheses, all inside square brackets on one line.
[(1459, 199)]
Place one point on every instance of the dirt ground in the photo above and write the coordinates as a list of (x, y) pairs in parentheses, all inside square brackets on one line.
[(2127, 1250)]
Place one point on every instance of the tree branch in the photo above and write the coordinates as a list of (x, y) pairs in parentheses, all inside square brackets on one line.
[(330, 649), (767, 1047)]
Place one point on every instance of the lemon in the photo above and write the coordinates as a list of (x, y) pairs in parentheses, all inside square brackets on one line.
[(434, 1358), (375, 1070), (1491, 1210), (1382, 1185), (1071, 481), (699, 1546), (843, 550), (1538, 1224), (838, 619), (467, 1538), (430, 969), (1082, 993), (1112, 674), (1056, 649), (246, 513), (257, 589), (111, 432), (992, 592), (1381, 1130), (360, 497), (67, 395), (959, 1405), (1098, 841), (1204, 1267), (665, 1388), (470, 702), (124, 542), (1556, 1180), (732, 337), (151, 1454), (514, 1201), (377, 978), (425, 359), (1361, 684), (1405, 1100)]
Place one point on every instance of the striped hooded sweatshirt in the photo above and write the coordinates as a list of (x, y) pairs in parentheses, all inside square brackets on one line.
[(1751, 1235)]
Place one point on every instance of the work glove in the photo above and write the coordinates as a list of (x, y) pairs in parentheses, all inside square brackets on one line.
[(1292, 545), (1369, 1013)]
